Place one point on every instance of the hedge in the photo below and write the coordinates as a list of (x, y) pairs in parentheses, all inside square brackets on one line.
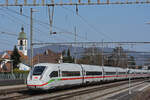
[(16, 70)]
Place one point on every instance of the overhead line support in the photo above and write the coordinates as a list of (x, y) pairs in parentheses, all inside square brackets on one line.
[(68, 43), (31, 36), (90, 2)]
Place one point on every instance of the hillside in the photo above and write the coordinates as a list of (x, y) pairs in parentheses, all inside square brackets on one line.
[(140, 56)]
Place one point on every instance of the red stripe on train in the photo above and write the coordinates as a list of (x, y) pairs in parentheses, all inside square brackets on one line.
[(38, 85), (76, 78)]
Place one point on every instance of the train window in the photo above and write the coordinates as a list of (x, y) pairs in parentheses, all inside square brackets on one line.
[(121, 73), (93, 73), (70, 73), (110, 73), (54, 74), (38, 70)]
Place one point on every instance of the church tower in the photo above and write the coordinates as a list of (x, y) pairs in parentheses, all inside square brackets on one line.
[(22, 42)]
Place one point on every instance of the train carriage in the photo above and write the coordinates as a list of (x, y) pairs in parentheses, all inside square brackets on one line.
[(71, 74), (43, 76), (47, 76), (121, 73), (131, 73), (144, 73), (137, 73), (92, 73), (110, 73)]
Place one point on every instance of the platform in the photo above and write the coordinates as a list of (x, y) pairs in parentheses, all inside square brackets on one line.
[(12, 87)]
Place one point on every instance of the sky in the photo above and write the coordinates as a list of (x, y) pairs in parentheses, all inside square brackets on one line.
[(109, 23)]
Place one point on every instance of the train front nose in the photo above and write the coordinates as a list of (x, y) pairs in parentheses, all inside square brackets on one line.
[(34, 80), (35, 83)]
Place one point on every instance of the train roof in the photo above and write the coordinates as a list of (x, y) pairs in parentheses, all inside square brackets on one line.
[(45, 64), (62, 66), (71, 65), (68, 64), (55, 64)]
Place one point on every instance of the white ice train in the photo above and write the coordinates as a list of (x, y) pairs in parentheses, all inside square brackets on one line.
[(46, 76)]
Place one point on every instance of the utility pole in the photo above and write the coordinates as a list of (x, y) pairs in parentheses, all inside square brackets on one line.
[(103, 58), (93, 53), (31, 38), (75, 39), (129, 81), (102, 53), (86, 37), (129, 74)]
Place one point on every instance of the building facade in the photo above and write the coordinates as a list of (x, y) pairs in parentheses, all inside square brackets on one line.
[(6, 63), (47, 57)]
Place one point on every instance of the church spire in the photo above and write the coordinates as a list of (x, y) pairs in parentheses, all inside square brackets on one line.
[(22, 34), (22, 29)]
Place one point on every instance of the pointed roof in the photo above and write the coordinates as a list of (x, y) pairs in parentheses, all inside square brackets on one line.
[(22, 34), (8, 53)]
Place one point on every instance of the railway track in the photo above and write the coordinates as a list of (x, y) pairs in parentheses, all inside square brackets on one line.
[(90, 94), (63, 94)]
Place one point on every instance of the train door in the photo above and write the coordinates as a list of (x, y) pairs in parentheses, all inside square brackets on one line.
[(103, 74), (60, 76), (82, 74), (54, 77)]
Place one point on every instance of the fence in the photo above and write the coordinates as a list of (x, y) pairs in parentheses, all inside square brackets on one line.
[(15, 76)]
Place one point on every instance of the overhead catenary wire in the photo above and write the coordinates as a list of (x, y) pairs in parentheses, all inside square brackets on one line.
[(43, 23), (38, 20), (12, 34), (90, 26), (82, 19), (46, 25), (15, 19), (6, 41)]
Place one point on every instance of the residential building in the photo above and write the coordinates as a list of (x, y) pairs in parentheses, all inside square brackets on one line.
[(47, 57)]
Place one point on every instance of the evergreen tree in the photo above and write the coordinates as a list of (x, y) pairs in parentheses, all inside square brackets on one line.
[(68, 58), (15, 57), (68, 53), (63, 52)]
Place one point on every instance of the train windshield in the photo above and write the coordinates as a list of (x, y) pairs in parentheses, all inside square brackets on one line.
[(38, 70)]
